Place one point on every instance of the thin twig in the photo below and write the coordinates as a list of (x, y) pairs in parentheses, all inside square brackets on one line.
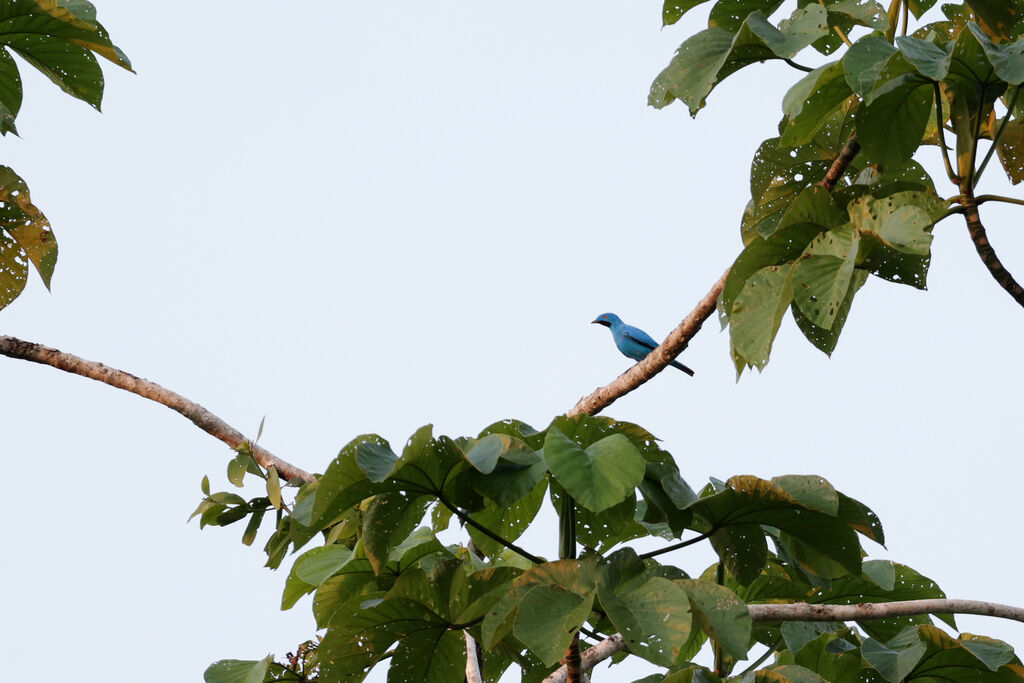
[(200, 416), (461, 514), (656, 360)]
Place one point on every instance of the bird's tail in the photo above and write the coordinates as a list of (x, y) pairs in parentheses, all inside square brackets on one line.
[(677, 364)]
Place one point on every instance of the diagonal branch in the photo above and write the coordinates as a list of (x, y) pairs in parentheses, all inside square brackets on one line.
[(801, 611), (984, 248), (200, 416), (657, 360)]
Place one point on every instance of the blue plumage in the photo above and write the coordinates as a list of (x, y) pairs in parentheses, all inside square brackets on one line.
[(632, 341)]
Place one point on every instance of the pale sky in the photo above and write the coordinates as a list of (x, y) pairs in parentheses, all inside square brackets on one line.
[(366, 217)]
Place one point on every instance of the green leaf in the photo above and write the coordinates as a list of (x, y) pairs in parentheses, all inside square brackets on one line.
[(998, 17), (10, 93), (375, 459), (822, 276), (673, 10), (237, 671), (930, 60), (848, 13), (508, 521), (25, 237), (864, 61), (548, 618), (749, 500), (434, 655), (757, 314), (1007, 59), (1011, 150), (205, 485), (253, 527), (708, 57), (274, 487), (897, 235), (311, 570), (389, 519), (483, 455), (598, 477), (788, 673), (989, 651), (730, 14), (743, 549), (890, 127), (894, 663), (809, 104), (516, 474), (720, 614), (779, 249), (654, 618)]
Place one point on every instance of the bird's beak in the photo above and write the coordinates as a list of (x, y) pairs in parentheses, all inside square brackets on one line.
[(601, 322)]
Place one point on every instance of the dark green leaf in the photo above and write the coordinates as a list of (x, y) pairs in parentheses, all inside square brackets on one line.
[(673, 10), (730, 14), (757, 314), (891, 126), (822, 275), (253, 527), (508, 521), (864, 61), (389, 519)]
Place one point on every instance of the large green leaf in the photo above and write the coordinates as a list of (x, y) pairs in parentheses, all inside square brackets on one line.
[(654, 618), (389, 519), (434, 655), (822, 276), (599, 476), (827, 338), (864, 61), (730, 14), (757, 314), (720, 614), (548, 618), (809, 104), (508, 521), (59, 39), (891, 126), (311, 570), (708, 57), (25, 237), (930, 59), (237, 671)]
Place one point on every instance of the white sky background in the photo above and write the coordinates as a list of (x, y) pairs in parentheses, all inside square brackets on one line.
[(366, 217)]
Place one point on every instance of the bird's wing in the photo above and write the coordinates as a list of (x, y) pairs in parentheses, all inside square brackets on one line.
[(640, 337)]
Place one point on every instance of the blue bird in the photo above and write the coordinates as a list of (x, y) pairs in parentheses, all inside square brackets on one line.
[(632, 341)]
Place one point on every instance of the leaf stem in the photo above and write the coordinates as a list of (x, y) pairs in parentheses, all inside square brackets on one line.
[(939, 118), (677, 546), (998, 137), (760, 660), (793, 64), (461, 514), (981, 199)]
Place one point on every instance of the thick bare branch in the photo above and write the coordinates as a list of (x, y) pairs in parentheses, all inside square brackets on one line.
[(880, 610), (473, 672), (801, 611), (200, 416), (840, 163), (657, 360), (984, 248), (592, 657)]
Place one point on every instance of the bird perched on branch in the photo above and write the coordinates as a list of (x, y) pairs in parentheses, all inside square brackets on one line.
[(632, 341)]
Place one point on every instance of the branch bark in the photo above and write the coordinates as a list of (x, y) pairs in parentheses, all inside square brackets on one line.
[(656, 360), (988, 255), (801, 611), (200, 416)]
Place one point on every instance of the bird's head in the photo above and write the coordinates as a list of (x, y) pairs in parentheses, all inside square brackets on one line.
[(606, 319)]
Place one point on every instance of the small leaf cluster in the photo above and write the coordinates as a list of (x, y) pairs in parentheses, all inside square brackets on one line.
[(386, 587), (811, 242), (60, 38)]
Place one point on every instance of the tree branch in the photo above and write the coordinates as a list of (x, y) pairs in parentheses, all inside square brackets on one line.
[(656, 360), (200, 416), (983, 247), (474, 674), (840, 163), (801, 611)]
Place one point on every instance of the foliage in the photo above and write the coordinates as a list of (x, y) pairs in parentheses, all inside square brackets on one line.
[(57, 37), (809, 250), (384, 584)]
